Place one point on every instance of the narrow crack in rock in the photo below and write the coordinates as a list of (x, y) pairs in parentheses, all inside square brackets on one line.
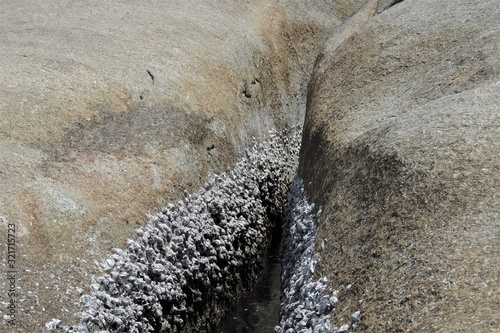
[(190, 262)]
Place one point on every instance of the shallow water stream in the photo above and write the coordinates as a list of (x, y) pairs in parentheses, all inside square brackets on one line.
[(258, 310)]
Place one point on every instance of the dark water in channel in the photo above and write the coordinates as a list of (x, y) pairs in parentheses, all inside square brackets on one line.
[(258, 310)]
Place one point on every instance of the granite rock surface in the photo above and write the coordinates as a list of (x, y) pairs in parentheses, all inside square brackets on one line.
[(111, 109), (401, 149)]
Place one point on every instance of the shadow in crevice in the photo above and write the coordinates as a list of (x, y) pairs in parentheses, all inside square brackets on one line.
[(258, 310), (387, 4)]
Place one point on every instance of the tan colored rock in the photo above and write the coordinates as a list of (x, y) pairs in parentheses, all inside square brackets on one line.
[(109, 109), (401, 148)]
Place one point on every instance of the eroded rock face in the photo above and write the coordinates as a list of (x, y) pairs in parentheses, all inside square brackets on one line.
[(110, 109), (401, 149), (192, 260)]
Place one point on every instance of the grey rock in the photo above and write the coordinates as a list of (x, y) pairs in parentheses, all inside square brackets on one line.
[(110, 109), (401, 150)]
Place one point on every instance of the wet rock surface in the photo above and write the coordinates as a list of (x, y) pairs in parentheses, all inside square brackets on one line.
[(258, 310)]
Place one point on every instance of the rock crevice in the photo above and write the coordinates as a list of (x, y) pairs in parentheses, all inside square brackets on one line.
[(190, 263)]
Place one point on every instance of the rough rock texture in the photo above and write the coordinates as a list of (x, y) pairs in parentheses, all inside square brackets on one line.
[(191, 262), (305, 303), (112, 108), (401, 149)]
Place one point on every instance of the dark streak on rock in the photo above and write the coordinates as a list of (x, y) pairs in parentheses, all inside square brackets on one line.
[(151, 75), (395, 2), (123, 134)]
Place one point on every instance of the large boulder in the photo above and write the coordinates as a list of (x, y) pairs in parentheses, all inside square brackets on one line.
[(401, 149), (109, 109)]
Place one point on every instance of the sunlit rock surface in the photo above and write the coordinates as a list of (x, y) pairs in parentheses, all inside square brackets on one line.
[(111, 109), (401, 149)]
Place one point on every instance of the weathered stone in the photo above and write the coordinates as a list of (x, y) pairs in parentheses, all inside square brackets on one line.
[(211, 267), (110, 109), (401, 149)]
